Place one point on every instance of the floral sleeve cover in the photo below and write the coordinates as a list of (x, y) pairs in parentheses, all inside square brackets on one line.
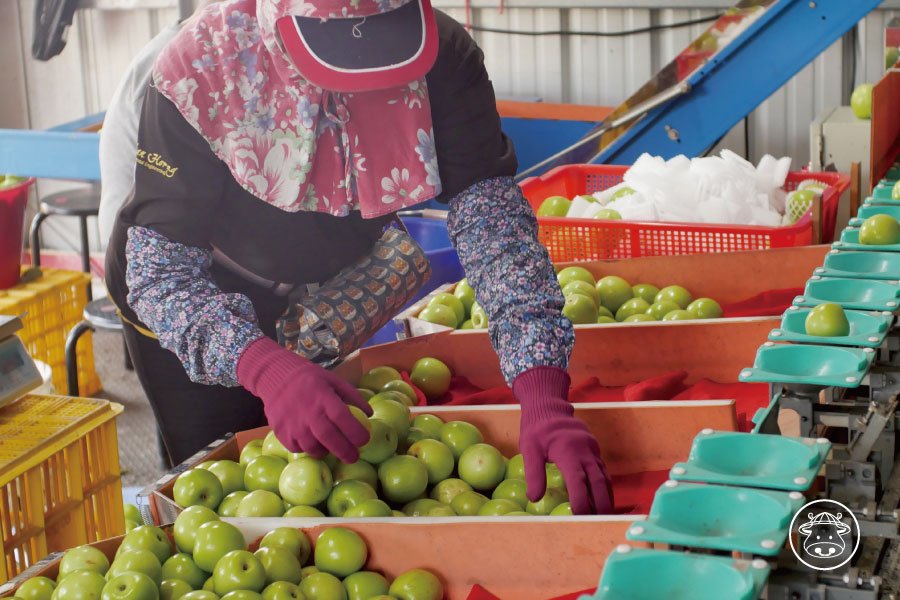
[(171, 290), (494, 231)]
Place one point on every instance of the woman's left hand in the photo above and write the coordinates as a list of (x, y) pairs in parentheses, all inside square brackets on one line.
[(549, 432)]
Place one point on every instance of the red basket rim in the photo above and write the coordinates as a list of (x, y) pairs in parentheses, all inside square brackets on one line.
[(18, 187)]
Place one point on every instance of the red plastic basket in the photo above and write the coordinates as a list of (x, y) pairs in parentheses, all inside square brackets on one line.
[(12, 224), (571, 240)]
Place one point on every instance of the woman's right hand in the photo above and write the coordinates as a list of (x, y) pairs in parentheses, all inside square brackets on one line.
[(305, 404)]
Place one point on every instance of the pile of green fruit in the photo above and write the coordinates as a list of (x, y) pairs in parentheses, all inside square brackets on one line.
[(412, 467), (211, 561), (458, 310), (612, 299), (8, 181), (880, 230)]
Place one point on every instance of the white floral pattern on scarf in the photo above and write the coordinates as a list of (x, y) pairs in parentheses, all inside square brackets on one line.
[(372, 151)]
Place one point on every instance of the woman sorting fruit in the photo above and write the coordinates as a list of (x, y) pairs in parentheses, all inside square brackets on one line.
[(277, 140)]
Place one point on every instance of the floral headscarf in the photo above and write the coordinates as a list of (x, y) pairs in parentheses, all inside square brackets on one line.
[(287, 142)]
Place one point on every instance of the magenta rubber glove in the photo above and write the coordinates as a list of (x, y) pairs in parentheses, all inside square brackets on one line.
[(549, 432), (306, 405)]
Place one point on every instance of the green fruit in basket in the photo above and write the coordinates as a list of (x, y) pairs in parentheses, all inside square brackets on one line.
[(439, 314), (279, 563), (511, 489), (552, 498), (608, 214), (83, 558), (515, 467), (417, 584), (340, 551), (306, 481), (403, 478), (348, 494), (646, 291), (452, 302), (402, 388), (554, 477), (467, 324), (429, 424), (880, 230), (272, 446), (895, 191), (261, 503), (579, 309), (198, 487), (365, 585), (604, 320), (378, 377), (465, 293), (482, 466), (132, 513), (133, 586), (282, 590), (562, 510), (129, 525), (214, 540), (420, 507), (554, 206), (382, 443), (622, 192), (570, 274), (676, 294), (187, 524), (437, 458), (323, 586), (497, 508), (479, 317), (142, 561), (584, 288), (441, 511), (635, 306), (827, 320), (459, 435), (181, 566), (230, 475), (891, 56), (80, 585), (200, 595), (679, 315), (658, 310), (263, 472), (173, 589), (395, 414), (242, 595), (639, 318), (431, 376), (445, 491), (8, 181), (368, 509), (238, 570), (303, 511), (148, 537), (467, 504), (705, 308), (292, 539), (230, 503), (205, 464), (250, 451), (360, 471), (36, 588), (614, 292), (861, 101), (366, 394)]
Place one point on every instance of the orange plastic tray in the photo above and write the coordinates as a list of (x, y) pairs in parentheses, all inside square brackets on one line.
[(593, 239)]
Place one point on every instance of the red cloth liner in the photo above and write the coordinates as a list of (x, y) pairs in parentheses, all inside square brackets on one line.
[(766, 304)]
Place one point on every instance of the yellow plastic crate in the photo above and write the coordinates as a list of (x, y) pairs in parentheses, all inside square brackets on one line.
[(50, 307), (60, 480)]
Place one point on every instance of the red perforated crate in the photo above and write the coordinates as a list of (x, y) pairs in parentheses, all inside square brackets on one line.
[(591, 239)]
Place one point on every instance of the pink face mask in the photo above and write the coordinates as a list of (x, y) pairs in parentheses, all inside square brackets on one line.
[(286, 141)]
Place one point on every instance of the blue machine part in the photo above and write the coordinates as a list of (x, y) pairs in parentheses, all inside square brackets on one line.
[(733, 82)]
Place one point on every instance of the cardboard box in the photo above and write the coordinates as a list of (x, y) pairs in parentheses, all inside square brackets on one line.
[(726, 277)]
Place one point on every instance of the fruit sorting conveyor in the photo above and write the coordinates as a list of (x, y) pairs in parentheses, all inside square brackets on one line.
[(724, 516)]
